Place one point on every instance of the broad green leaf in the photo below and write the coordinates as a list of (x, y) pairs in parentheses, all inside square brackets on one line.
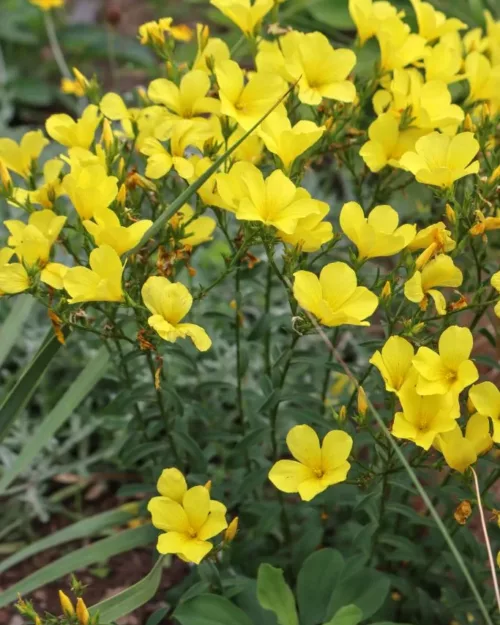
[(27, 383), (158, 616), (211, 610), (348, 615), (130, 599), (191, 190), (80, 529), (12, 327), (315, 583), (367, 589), (99, 551), (64, 408), (275, 594)]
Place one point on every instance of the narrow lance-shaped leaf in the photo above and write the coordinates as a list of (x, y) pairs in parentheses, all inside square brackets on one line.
[(130, 599), (191, 190), (27, 383), (76, 393), (81, 529), (81, 558), (12, 327)]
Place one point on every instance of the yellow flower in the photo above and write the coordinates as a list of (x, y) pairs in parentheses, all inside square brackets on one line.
[(311, 232), (483, 78), (187, 525), (78, 86), (196, 230), (398, 47), (484, 224), (368, 16), (247, 103), (90, 190), (450, 370), (208, 191), (387, 142), (335, 298), (243, 13), (21, 158), (275, 201), (53, 275), (320, 70), (486, 399), (187, 100), (433, 24), (286, 142), (107, 230), (232, 530), (211, 50), (154, 32), (47, 5), (493, 37), (440, 160), (315, 467), (441, 271), (170, 302), (495, 283), (378, 234), (101, 283), (13, 277), (172, 485), (32, 241), (394, 363), (424, 417), (51, 189), (430, 104), (461, 451), (436, 234), (70, 133), (182, 134), (443, 63)]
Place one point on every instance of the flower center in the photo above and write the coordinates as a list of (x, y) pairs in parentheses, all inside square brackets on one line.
[(318, 472)]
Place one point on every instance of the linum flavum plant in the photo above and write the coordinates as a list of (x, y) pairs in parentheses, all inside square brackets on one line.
[(246, 301)]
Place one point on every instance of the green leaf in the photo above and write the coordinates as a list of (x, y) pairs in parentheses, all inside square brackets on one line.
[(80, 529), (348, 615), (191, 190), (157, 617), (27, 383), (130, 599), (64, 408), (335, 14), (315, 583), (275, 594), (81, 558), (210, 610), (367, 589), (12, 327), (33, 91)]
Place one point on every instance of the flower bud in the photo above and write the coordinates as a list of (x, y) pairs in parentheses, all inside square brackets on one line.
[(469, 124), (121, 196), (494, 175), (386, 291), (231, 530), (208, 485), (66, 605), (450, 214), (5, 177), (82, 613), (362, 402), (342, 414), (107, 134)]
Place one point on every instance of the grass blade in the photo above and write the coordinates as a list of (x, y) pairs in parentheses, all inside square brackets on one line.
[(75, 394), (13, 325), (27, 383), (130, 599), (99, 551), (80, 529), (191, 190)]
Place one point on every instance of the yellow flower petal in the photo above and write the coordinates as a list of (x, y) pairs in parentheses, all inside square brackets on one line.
[(303, 443)]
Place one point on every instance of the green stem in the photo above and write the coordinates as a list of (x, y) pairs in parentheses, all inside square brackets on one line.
[(163, 412), (239, 368), (267, 310), (55, 47)]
